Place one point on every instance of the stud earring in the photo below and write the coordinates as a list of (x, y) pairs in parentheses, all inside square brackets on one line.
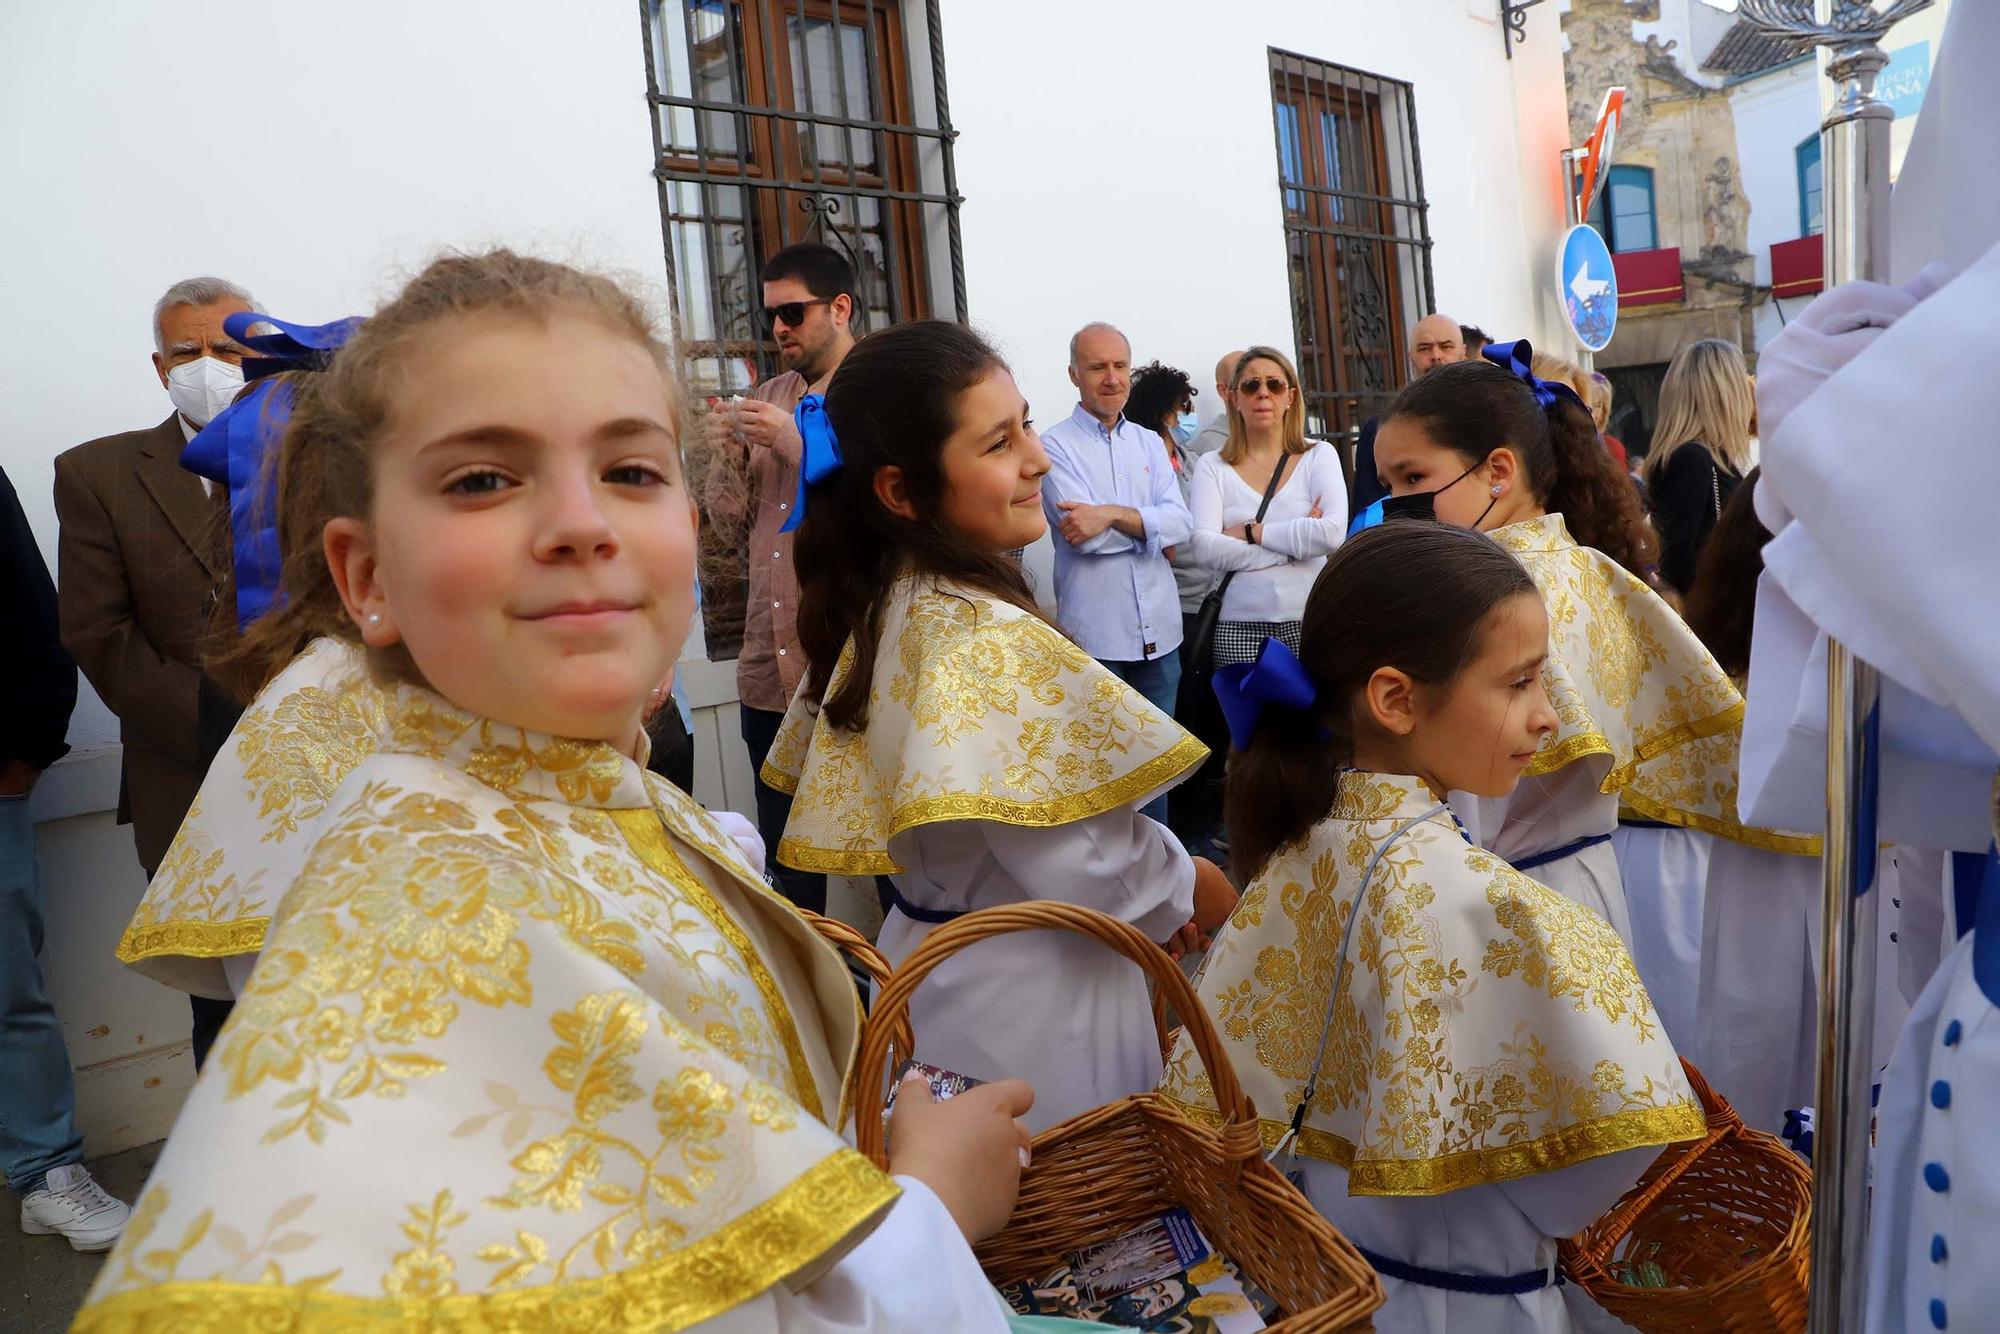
[(1497, 489), (374, 618)]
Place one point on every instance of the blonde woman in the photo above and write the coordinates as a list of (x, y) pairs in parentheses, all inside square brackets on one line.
[(1270, 559), (1701, 449)]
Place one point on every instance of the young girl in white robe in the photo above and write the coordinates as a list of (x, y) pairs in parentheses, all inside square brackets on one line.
[(950, 738), (529, 1042), (1486, 445), (1461, 1064)]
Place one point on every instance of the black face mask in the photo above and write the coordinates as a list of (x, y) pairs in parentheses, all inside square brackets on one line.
[(1423, 504)]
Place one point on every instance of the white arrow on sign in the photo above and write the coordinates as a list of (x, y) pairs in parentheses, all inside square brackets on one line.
[(1584, 286)]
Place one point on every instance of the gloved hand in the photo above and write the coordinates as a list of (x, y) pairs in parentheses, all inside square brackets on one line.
[(1837, 327)]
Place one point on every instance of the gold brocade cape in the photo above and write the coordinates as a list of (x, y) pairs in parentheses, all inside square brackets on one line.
[(1695, 788), (217, 886), (529, 1047), (1626, 676), (978, 711), (1487, 1028)]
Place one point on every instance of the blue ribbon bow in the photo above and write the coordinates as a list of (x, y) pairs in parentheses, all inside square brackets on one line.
[(819, 456), (1246, 689), (233, 448), (1518, 358)]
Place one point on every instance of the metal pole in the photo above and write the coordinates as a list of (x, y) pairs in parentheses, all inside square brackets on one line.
[(1584, 356), (1855, 151)]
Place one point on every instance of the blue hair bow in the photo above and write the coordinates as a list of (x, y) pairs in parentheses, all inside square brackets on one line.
[(1245, 689), (1518, 358), (232, 449), (819, 458)]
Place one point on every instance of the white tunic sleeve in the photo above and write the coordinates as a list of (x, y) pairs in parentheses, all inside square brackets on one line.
[(913, 1272)]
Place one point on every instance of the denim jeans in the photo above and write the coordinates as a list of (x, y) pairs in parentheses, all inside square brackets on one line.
[(807, 889), (1159, 680), (37, 1096)]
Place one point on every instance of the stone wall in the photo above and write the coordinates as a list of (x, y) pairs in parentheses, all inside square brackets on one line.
[(1682, 127)]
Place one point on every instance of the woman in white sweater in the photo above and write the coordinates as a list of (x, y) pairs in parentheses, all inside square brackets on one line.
[(1273, 562)]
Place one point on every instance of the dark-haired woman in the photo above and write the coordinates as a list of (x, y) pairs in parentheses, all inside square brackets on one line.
[(1486, 445), (1386, 990), (948, 737)]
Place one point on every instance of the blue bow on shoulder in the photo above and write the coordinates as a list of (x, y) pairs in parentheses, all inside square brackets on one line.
[(1518, 357), (819, 458), (232, 450), (1245, 689)]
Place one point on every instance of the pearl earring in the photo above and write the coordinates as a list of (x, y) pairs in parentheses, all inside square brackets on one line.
[(374, 618)]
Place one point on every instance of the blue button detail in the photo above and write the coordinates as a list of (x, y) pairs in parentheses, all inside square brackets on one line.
[(1936, 1177), (1952, 1032), (1940, 1095), (1937, 1250), (1937, 1313)]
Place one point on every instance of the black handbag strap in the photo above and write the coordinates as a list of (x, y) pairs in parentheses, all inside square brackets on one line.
[(1270, 489)]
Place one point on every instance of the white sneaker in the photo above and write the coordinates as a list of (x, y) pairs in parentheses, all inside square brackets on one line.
[(72, 1203)]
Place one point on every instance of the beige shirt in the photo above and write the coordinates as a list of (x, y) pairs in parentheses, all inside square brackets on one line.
[(770, 663)]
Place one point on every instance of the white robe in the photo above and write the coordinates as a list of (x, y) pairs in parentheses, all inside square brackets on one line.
[(1904, 575), (1665, 874), (1501, 1229), (988, 1012)]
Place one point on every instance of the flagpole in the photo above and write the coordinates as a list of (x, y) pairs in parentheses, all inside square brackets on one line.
[(1854, 143)]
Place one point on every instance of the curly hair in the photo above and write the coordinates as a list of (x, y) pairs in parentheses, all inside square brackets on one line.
[(1159, 393)]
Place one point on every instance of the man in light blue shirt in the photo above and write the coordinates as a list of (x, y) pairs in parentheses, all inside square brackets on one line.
[(1114, 512)]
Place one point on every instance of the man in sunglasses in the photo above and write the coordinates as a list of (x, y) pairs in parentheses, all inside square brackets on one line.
[(1435, 341), (808, 311)]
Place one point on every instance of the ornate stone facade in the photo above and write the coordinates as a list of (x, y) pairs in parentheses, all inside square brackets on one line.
[(1682, 128)]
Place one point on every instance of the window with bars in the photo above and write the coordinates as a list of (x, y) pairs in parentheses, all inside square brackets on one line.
[(777, 121), (1357, 234)]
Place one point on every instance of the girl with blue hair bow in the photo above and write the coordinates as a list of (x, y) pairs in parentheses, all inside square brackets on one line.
[(1459, 1065), (1488, 446)]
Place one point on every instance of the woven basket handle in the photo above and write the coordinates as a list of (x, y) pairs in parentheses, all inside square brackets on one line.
[(1722, 1122), (860, 949), (892, 1004)]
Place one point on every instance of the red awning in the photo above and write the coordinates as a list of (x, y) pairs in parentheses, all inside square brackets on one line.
[(1649, 277), (1798, 268)]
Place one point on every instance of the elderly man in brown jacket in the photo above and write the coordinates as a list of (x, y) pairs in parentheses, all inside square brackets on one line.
[(144, 547)]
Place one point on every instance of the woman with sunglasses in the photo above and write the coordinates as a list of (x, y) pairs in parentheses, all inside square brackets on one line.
[(1270, 550)]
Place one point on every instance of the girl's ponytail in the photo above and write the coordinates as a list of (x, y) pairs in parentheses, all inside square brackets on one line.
[(1596, 499)]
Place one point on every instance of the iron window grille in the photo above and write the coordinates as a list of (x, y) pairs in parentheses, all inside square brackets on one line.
[(778, 121), (1357, 234)]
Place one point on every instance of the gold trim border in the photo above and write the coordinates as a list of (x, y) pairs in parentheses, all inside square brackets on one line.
[(758, 1249), (1183, 755), (1750, 836), (1576, 747), (646, 832), (1644, 1128), (778, 780), (193, 939)]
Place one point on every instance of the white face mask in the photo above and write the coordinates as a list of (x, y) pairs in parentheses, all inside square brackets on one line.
[(202, 388)]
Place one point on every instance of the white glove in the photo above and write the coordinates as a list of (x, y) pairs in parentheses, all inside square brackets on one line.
[(744, 834), (1837, 327)]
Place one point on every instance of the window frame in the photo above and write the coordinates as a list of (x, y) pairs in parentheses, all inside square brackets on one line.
[(1606, 222), (1807, 154), (1372, 222)]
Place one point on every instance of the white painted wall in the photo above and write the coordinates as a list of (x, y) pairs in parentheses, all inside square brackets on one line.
[(1117, 160)]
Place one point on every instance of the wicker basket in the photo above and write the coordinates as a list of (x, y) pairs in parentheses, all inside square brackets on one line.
[(863, 952), (1108, 1170), (1725, 1217)]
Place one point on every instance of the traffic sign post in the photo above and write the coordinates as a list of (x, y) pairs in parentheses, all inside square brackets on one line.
[(1587, 285)]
